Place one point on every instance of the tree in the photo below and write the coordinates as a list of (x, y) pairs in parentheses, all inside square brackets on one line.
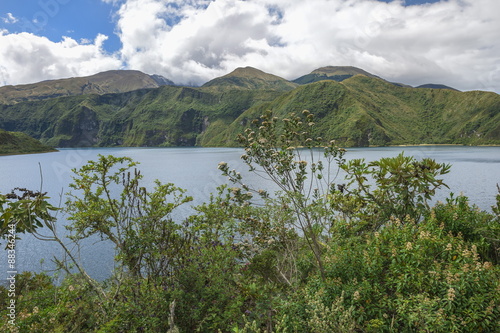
[(108, 201), (303, 167), (394, 187)]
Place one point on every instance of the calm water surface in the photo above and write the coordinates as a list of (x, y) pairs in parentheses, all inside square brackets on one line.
[(475, 173)]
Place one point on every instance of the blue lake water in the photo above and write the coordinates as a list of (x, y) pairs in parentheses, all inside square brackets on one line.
[(475, 173)]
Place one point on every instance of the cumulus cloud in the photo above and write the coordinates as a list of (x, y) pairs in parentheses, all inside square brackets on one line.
[(454, 42), (27, 58)]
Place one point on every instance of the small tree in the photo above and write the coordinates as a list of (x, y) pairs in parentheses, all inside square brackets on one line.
[(301, 165), (397, 187), (108, 201)]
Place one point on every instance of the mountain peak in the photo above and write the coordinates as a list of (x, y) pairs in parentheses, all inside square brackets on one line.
[(248, 71), (251, 78), (341, 70), (436, 86), (336, 73)]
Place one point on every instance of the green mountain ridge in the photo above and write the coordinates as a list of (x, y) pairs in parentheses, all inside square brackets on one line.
[(359, 111), (364, 111), (20, 143)]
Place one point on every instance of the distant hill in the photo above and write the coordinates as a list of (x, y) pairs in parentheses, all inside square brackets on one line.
[(436, 86), (251, 78), (115, 81), (361, 110), (335, 73), (20, 143)]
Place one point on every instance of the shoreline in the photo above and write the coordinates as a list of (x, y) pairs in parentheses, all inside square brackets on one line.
[(29, 153)]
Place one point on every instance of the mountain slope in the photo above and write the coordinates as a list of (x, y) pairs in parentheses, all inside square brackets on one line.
[(166, 116), (251, 78), (20, 143), (363, 111), (102, 83), (359, 111)]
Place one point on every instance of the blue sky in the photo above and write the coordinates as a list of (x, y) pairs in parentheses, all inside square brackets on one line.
[(454, 42), (79, 19)]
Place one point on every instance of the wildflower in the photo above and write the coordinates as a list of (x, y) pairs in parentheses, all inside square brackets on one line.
[(222, 165), (449, 247), (451, 294), (356, 295), (71, 288), (474, 252), (35, 310), (409, 246), (425, 235)]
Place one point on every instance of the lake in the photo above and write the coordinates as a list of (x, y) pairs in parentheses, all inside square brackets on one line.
[(475, 173)]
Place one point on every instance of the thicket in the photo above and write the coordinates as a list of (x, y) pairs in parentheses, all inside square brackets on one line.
[(342, 246)]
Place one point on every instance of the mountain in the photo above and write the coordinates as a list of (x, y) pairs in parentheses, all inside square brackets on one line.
[(364, 111), (161, 80), (166, 116), (115, 81), (20, 143), (251, 78), (435, 86), (358, 111), (335, 73)]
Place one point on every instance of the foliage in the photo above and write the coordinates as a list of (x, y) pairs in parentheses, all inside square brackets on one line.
[(399, 187), (23, 211), (110, 202), (473, 225), (405, 278)]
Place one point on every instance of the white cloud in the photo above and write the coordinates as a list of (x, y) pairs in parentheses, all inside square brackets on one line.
[(10, 19), (454, 42), (27, 58)]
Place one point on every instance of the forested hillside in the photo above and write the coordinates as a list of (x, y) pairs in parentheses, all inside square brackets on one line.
[(359, 111)]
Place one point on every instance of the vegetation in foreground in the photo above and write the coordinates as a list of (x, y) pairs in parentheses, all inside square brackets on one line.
[(360, 253)]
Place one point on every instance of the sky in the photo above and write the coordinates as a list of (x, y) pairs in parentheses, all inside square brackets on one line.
[(451, 42)]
